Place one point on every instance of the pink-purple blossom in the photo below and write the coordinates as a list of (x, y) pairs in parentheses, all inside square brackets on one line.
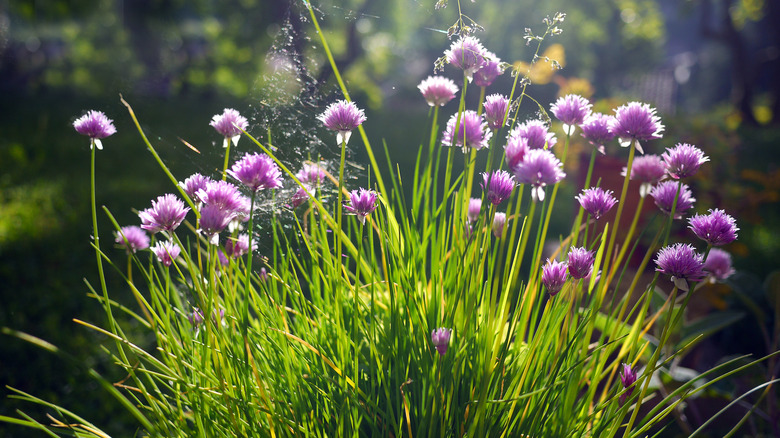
[(539, 168), (362, 202), (467, 54), (440, 338), (497, 186), (438, 90), (648, 170), (257, 172), (166, 214), (239, 246), (536, 134), (495, 110), (472, 132), (310, 176), (166, 252), (595, 129), (499, 221), (580, 262), (489, 71), (635, 122), (342, 117), (95, 125), (716, 228), (229, 124), (193, 183), (718, 264), (132, 238), (515, 150), (683, 160), (596, 201), (682, 263), (213, 220), (572, 110), (665, 193), (554, 275), (628, 377), (223, 194), (475, 205)]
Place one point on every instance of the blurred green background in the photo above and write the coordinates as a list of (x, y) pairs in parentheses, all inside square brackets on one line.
[(711, 67)]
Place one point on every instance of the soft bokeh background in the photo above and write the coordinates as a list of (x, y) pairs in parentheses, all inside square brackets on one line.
[(711, 67)]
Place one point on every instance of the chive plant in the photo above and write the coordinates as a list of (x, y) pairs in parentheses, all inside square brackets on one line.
[(435, 315)]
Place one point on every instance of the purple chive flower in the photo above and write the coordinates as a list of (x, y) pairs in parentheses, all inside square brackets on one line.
[(213, 220), (441, 339), (257, 172), (664, 194), (536, 133), (495, 110), (342, 117), (166, 252), (223, 260), (716, 228), (263, 274), (237, 247), (224, 195), (229, 124), (194, 183), (166, 214), (682, 263), (310, 176), (132, 238), (572, 110), (683, 160), (363, 202), (554, 276), (475, 205), (595, 129), (627, 378), (466, 54), (489, 71), (596, 201), (580, 262), (438, 90), (647, 169), (311, 173), (539, 168), (95, 125), (718, 264), (497, 186), (472, 133), (196, 317), (499, 220), (515, 150), (636, 121), (300, 196)]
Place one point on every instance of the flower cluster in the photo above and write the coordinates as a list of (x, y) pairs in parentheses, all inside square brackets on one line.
[(441, 339), (554, 275), (438, 90), (95, 125), (467, 130), (230, 124), (342, 117), (571, 110), (361, 203), (635, 122), (596, 201)]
